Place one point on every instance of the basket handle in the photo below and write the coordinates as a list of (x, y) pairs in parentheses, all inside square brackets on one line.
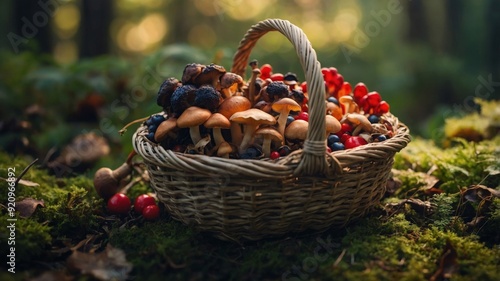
[(314, 155)]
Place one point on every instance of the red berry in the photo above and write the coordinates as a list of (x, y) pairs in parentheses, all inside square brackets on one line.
[(277, 77), (275, 155), (303, 85), (344, 137), (345, 127), (383, 107), (333, 71), (304, 108), (142, 201), (119, 204), (338, 80), (328, 149), (354, 141), (327, 74), (360, 90), (151, 212), (373, 99), (345, 90), (302, 116), (265, 71)]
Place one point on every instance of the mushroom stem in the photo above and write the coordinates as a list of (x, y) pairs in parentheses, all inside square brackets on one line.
[(247, 138), (218, 138), (194, 132), (236, 134), (107, 181), (282, 121), (266, 146), (251, 86)]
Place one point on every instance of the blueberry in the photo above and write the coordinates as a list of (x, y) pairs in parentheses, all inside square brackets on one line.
[(337, 146), (152, 128), (373, 119), (334, 100), (333, 138), (250, 153), (149, 121), (381, 138), (151, 136), (289, 119), (157, 119), (284, 150)]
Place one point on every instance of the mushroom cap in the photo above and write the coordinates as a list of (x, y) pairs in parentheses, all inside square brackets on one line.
[(229, 79), (332, 124), (193, 116), (166, 90), (334, 110), (286, 104), (191, 71), (297, 130), (253, 116), (360, 120), (224, 148), (346, 99), (270, 132), (211, 74), (217, 120), (164, 128), (234, 104)]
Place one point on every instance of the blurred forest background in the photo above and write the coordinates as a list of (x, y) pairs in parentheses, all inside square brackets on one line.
[(72, 66)]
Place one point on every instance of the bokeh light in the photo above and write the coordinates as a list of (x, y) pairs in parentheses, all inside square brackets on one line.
[(202, 35)]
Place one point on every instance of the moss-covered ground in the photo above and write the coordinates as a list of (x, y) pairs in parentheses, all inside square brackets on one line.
[(439, 220)]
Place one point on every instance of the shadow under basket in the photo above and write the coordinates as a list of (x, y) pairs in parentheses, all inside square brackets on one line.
[(242, 199)]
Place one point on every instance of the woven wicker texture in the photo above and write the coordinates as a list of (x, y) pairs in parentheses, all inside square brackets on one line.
[(250, 199)]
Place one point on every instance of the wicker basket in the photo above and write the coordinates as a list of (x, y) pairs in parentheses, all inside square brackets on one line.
[(250, 199)]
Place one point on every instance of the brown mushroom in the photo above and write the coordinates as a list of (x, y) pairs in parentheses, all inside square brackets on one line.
[(191, 71), (192, 118), (253, 79), (348, 103), (283, 107), (230, 83), (224, 149), (268, 134), (230, 106), (211, 75), (334, 110), (165, 129), (107, 181), (251, 119), (332, 125), (360, 122), (216, 122), (297, 130)]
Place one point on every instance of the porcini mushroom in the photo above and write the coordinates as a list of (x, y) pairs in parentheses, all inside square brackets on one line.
[(216, 122), (251, 119), (268, 134), (192, 118), (360, 122), (283, 107), (230, 106)]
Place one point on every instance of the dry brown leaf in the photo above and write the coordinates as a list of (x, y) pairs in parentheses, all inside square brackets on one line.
[(52, 276), (111, 264), (27, 206)]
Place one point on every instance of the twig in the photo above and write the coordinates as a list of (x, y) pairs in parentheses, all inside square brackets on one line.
[(25, 171)]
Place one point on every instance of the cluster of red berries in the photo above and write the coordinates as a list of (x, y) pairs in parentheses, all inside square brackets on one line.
[(144, 204), (370, 102)]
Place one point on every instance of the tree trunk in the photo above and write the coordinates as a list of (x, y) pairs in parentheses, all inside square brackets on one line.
[(94, 28)]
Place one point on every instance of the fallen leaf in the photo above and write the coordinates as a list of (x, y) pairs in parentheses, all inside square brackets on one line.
[(448, 264), (27, 206), (477, 193), (425, 207), (111, 264)]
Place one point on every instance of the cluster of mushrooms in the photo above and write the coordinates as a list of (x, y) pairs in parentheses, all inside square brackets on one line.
[(214, 112)]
